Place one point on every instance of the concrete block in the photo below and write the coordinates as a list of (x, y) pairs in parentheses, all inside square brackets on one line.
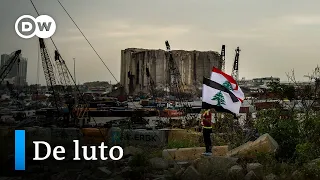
[(181, 135), (94, 135), (192, 153), (144, 137), (220, 150), (264, 144)]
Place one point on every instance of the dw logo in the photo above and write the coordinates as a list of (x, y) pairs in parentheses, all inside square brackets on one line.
[(27, 26)]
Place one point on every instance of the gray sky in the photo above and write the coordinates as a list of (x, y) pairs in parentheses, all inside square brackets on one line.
[(274, 36)]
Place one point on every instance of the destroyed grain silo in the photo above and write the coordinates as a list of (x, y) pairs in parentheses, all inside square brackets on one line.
[(192, 65)]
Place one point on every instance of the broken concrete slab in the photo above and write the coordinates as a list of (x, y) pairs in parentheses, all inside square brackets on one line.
[(257, 168), (190, 174), (181, 135), (214, 167), (159, 163), (264, 144), (251, 176), (236, 172)]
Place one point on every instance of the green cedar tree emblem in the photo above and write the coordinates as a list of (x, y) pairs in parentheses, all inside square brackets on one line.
[(219, 98), (227, 85)]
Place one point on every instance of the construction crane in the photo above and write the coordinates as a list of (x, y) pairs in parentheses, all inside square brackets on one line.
[(59, 68), (223, 57), (7, 67), (62, 70), (174, 74), (48, 72), (235, 68)]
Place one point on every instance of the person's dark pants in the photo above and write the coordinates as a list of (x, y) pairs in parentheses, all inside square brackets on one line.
[(207, 139)]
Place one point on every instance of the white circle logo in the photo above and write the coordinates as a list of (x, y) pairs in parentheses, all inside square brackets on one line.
[(27, 26)]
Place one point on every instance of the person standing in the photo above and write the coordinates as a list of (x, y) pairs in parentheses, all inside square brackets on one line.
[(207, 130)]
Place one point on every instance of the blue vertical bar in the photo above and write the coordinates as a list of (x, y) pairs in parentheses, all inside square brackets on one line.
[(20, 150)]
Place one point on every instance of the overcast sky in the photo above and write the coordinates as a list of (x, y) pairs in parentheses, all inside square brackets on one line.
[(274, 36)]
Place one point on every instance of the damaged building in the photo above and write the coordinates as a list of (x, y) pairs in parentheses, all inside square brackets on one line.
[(192, 65)]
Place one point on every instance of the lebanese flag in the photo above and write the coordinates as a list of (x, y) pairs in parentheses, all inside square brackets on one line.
[(222, 78), (219, 97)]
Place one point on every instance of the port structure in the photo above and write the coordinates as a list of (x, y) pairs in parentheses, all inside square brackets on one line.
[(62, 70), (175, 84), (49, 73), (235, 68), (223, 57)]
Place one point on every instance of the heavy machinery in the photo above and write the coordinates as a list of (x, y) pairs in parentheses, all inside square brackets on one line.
[(63, 74), (235, 68), (175, 84), (49, 74), (7, 67)]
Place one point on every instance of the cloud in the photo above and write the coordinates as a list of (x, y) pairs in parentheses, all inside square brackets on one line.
[(128, 29), (241, 34), (124, 29), (302, 19), (68, 38)]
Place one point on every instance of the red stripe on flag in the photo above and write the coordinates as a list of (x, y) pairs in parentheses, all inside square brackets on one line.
[(228, 77)]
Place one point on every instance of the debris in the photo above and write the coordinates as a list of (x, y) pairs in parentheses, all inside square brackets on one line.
[(105, 170), (236, 172), (271, 177), (264, 144), (158, 163), (257, 168), (190, 174), (251, 176)]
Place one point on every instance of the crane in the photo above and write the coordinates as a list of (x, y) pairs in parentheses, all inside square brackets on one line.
[(59, 68), (223, 57), (6, 68), (48, 72), (174, 74), (62, 70), (235, 68)]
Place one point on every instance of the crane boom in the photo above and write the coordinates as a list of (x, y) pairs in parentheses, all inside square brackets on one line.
[(48, 72), (235, 68), (175, 77), (59, 68), (6, 68), (47, 65), (223, 57), (62, 69)]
